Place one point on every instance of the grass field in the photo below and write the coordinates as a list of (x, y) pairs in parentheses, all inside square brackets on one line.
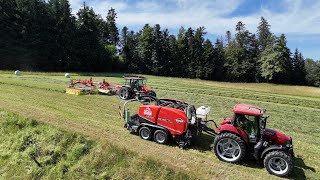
[(294, 110)]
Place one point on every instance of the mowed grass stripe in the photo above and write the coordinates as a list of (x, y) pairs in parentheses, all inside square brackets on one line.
[(223, 89), (303, 91), (204, 86), (298, 101), (263, 98)]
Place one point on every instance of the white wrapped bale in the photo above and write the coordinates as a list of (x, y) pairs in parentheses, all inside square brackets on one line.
[(18, 73), (67, 75)]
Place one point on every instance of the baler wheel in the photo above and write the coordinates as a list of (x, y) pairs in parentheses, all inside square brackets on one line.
[(160, 136), (145, 133)]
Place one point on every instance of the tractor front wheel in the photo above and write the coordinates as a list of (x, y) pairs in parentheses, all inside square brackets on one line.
[(160, 136), (124, 93), (229, 147), (145, 133), (278, 163), (151, 93)]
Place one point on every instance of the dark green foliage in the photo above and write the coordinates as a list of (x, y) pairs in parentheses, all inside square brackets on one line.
[(111, 34), (284, 61), (275, 61), (146, 49), (40, 35), (298, 73), (87, 47), (242, 55), (63, 33), (312, 69), (264, 34)]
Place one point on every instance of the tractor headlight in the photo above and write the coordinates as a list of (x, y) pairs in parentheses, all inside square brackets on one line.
[(287, 144)]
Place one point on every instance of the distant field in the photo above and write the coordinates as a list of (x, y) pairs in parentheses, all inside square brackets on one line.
[(295, 110)]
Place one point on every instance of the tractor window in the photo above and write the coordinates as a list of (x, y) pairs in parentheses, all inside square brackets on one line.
[(140, 82), (128, 82), (250, 118), (190, 111), (248, 123), (135, 84)]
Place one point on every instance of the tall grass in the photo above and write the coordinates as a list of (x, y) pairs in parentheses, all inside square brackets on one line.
[(32, 150)]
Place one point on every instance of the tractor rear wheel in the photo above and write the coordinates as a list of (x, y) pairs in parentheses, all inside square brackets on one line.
[(124, 93), (229, 147), (160, 136), (145, 133), (151, 93), (278, 163)]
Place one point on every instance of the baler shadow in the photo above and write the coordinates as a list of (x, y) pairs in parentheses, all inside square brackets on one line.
[(202, 143)]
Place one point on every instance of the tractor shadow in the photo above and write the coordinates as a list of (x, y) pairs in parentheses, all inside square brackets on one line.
[(300, 168)]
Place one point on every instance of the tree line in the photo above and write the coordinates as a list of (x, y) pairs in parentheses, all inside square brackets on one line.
[(45, 36)]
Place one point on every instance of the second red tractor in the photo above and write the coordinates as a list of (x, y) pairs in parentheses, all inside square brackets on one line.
[(135, 87)]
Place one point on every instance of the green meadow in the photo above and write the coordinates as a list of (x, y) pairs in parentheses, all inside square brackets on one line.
[(46, 133)]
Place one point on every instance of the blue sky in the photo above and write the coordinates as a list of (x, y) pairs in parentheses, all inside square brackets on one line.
[(298, 19)]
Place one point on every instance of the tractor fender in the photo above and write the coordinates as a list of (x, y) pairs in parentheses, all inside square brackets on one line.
[(230, 128), (127, 86), (154, 126), (271, 148)]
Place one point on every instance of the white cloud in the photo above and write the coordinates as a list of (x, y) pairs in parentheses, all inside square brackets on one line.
[(299, 16), (100, 6)]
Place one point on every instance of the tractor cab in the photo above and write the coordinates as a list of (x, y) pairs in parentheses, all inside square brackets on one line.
[(135, 87), (248, 118), (135, 82)]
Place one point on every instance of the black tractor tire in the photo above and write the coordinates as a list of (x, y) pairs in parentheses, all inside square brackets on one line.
[(151, 93), (125, 93), (278, 163), (160, 136), (226, 144), (145, 133)]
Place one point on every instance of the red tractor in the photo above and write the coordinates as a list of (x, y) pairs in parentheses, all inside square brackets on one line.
[(135, 87), (237, 137)]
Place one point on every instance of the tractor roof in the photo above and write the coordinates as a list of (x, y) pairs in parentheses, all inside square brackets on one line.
[(247, 109), (134, 78)]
